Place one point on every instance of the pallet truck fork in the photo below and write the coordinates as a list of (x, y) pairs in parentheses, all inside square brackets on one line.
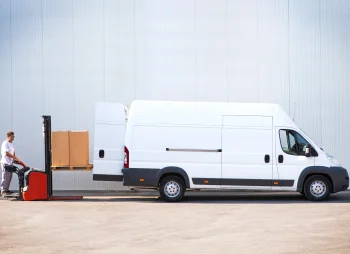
[(37, 184)]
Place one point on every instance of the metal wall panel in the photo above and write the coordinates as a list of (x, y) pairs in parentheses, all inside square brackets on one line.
[(304, 72), (27, 80), (334, 78), (150, 35), (5, 67), (242, 38), (60, 57), (58, 63), (272, 43), (119, 24), (179, 78)]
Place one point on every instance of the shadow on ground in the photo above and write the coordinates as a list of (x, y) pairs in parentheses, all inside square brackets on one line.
[(226, 198), (205, 198)]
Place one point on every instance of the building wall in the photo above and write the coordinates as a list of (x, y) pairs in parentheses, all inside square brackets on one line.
[(60, 57)]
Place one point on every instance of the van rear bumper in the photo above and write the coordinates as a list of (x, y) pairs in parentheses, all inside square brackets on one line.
[(141, 177)]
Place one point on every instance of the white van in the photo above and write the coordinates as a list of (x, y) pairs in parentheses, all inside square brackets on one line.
[(173, 146)]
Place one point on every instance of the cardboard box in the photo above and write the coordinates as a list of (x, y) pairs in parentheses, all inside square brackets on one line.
[(79, 148), (60, 148)]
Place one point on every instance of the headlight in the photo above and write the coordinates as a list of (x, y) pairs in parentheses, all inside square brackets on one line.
[(332, 159)]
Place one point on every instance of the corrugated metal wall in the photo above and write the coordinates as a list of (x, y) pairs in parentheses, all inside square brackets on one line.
[(60, 57)]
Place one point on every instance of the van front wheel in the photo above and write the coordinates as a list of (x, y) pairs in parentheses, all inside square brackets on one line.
[(317, 188), (172, 188)]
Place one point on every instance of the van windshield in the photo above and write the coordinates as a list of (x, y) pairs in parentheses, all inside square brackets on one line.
[(307, 137)]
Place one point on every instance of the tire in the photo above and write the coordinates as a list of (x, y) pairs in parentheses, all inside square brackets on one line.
[(317, 188), (172, 189)]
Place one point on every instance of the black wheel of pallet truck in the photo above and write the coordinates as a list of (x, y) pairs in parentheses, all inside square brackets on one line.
[(172, 189), (317, 188)]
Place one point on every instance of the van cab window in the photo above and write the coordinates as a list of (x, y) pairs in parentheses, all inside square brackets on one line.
[(292, 142)]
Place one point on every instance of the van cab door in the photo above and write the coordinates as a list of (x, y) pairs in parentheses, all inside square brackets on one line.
[(290, 157), (110, 123)]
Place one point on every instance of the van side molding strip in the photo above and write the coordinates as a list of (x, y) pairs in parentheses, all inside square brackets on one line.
[(193, 150)]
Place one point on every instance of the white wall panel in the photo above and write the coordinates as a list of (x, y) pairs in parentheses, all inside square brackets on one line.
[(89, 60), (60, 57), (119, 31), (27, 79), (88, 53), (211, 42), (305, 63), (6, 100), (180, 56), (150, 27), (334, 78), (242, 33), (5, 67), (273, 58)]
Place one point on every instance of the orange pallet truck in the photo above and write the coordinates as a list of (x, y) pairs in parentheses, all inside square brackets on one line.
[(36, 185)]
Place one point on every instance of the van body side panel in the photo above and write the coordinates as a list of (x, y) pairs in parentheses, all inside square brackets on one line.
[(193, 148), (247, 151), (108, 158)]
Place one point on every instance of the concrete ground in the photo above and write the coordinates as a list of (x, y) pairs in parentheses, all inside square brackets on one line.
[(202, 223)]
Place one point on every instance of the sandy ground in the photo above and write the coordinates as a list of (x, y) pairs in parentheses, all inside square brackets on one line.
[(203, 223)]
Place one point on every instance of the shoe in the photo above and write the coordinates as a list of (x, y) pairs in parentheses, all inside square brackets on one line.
[(5, 193)]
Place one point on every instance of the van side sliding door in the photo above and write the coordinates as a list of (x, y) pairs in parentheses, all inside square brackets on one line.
[(247, 152)]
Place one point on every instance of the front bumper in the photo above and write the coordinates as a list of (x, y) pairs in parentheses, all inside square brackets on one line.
[(340, 179)]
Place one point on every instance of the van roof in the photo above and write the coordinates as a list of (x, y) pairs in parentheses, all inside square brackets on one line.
[(201, 108)]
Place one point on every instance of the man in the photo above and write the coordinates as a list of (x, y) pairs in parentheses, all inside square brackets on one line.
[(8, 156)]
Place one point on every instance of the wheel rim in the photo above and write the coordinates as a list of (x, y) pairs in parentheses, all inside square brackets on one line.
[(318, 188), (172, 189)]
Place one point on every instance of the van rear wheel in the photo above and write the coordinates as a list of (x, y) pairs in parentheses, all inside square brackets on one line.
[(317, 188), (172, 188)]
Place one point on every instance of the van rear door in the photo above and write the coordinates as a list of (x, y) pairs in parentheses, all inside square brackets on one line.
[(110, 122)]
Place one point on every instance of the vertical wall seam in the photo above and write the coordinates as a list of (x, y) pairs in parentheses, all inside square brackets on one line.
[(257, 48), (288, 54), (42, 59), (227, 51), (196, 51), (104, 50), (165, 51), (73, 59), (320, 69), (135, 54), (11, 56)]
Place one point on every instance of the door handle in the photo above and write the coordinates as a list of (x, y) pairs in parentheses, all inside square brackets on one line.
[(280, 158), (267, 158)]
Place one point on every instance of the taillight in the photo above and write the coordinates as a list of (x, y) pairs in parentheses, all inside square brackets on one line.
[(126, 157)]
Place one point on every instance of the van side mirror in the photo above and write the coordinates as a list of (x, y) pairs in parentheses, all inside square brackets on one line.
[(308, 150)]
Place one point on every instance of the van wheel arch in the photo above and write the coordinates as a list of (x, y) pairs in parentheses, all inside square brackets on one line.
[(173, 171), (311, 171)]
